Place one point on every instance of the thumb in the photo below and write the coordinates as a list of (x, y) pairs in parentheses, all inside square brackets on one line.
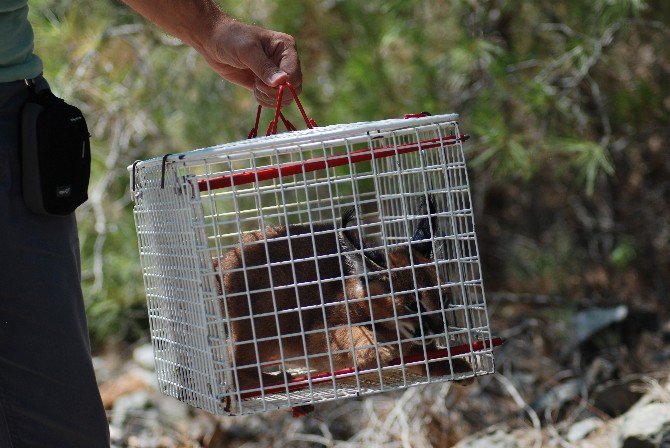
[(264, 68)]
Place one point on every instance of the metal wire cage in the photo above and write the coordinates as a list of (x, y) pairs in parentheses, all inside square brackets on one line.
[(313, 265)]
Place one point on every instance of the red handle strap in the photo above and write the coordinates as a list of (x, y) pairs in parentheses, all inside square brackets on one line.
[(272, 127)]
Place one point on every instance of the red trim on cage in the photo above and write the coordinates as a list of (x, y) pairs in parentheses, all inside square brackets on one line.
[(303, 382), (418, 115), (361, 155)]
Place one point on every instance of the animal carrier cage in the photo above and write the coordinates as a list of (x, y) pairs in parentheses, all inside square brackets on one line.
[(312, 265)]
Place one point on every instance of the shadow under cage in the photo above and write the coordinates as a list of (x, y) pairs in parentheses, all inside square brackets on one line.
[(313, 265)]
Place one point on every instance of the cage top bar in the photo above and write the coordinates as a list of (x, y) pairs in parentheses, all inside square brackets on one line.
[(361, 155), (317, 134)]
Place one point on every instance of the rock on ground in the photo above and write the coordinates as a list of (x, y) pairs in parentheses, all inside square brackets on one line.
[(644, 427)]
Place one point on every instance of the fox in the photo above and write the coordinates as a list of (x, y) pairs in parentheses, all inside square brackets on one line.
[(319, 296)]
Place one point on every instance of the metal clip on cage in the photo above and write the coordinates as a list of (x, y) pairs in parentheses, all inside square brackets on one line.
[(312, 265)]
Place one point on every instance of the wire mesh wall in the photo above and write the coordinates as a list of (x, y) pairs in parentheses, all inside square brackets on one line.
[(313, 265)]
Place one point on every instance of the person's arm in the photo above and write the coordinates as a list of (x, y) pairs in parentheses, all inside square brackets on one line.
[(252, 57)]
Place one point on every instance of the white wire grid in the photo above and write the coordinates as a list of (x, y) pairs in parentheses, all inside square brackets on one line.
[(259, 299)]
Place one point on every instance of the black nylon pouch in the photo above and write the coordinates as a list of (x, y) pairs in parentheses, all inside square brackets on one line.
[(56, 154)]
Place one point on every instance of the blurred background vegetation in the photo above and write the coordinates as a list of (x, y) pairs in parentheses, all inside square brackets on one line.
[(568, 107), (567, 103)]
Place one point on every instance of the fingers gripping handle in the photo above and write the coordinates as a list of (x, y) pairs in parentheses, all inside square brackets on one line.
[(272, 127)]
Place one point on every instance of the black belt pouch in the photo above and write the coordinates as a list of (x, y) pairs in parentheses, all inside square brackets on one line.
[(56, 154)]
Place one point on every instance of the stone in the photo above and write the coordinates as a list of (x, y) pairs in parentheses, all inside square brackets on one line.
[(590, 321), (644, 427), (144, 357), (616, 397), (582, 429)]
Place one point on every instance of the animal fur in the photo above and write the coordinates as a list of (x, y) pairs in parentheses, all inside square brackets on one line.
[(319, 315)]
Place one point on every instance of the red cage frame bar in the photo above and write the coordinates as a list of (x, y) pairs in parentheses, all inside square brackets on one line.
[(305, 382), (361, 155)]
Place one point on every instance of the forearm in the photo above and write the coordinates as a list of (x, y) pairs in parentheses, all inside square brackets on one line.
[(192, 21), (252, 57)]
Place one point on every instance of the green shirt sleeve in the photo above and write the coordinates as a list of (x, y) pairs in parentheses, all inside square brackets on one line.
[(17, 60)]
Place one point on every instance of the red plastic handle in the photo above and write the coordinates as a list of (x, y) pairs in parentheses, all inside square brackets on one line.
[(272, 127)]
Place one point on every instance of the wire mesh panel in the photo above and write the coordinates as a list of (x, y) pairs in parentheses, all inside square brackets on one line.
[(313, 265)]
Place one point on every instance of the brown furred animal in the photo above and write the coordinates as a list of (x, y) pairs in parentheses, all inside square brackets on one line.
[(335, 299)]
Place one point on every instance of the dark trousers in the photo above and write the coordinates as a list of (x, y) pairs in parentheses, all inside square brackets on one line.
[(48, 393)]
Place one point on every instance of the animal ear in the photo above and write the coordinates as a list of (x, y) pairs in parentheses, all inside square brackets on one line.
[(346, 217), (423, 230), (373, 259)]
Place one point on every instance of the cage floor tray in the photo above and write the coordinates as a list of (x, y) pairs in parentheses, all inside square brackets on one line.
[(351, 378)]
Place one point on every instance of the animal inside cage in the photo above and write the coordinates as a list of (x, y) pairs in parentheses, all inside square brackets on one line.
[(314, 265)]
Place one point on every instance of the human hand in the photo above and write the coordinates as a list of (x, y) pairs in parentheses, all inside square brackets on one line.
[(247, 55), (255, 58)]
